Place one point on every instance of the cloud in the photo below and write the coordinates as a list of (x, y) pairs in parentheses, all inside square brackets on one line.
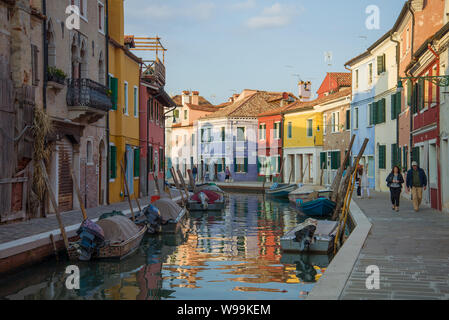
[(275, 16), (248, 4)]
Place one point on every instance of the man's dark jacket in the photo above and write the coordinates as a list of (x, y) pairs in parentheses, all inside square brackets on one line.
[(422, 178)]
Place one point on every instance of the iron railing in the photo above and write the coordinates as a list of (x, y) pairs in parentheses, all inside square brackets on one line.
[(88, 93)]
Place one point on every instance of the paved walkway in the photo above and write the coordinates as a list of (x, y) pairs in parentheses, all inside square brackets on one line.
[(15, 231), (411, 250)]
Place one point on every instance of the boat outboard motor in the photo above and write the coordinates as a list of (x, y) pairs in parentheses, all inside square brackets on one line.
[(151, 217), (92, 237), (203, 199), (305, 236)]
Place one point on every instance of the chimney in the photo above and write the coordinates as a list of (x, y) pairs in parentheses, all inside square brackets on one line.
[(185, 97), (235, 96), (305, 91), (195, 98)]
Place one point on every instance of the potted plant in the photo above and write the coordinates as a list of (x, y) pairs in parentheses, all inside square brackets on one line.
[(56, 75)]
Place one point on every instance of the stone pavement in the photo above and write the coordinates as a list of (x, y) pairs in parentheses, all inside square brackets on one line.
[(15, 231), (410, 248)]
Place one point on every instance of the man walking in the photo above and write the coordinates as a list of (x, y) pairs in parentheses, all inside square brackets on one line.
[(416, 181)]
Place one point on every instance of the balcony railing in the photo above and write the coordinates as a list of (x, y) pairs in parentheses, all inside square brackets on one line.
[(154, 71), (88, 93)]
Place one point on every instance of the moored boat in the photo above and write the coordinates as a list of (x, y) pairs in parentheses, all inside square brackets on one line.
[(320, 207), (281, 190), (305, 192), (206, 200), (310, 236), (115, 237), (173, 216)]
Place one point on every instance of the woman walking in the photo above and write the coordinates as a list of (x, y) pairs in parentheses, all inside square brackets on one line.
[(394, 182)]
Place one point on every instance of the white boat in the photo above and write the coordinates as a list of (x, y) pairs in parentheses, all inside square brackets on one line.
[(304, 192), (317, 236)]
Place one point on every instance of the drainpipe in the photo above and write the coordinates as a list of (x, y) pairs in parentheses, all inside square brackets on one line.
[(281, 129), (45, 42), (107, 114), (412, 51), (148, 139), (398, 50), (439, 204)]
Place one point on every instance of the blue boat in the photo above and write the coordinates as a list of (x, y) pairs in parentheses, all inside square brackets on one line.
[(321, 207), (281, 190)]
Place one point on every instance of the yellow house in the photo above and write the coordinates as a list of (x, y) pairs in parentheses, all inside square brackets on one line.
[(124, 75), (303, 142)]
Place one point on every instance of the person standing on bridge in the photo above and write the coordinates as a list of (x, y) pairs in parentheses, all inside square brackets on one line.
[(416, 181)]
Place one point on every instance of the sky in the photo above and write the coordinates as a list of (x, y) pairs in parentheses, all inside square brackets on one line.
[(220, 47)]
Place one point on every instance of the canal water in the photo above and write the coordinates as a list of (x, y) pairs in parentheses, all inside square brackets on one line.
[(234, 254)]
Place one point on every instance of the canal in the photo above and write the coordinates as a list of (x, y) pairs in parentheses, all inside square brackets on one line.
[(234, 254)]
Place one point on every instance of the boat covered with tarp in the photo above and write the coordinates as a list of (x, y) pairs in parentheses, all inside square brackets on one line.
[(308, 192), (281, 190), (172, 215), (210, 187), (310, 236), (320, 207), (206, 200), (114, 237)]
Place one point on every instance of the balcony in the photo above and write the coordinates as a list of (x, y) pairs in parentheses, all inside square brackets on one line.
[(87, 100), (154, 72)]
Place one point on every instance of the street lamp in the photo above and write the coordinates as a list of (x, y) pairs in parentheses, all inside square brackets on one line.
[(400, 87)]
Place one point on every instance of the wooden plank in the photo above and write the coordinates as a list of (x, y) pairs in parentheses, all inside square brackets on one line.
[(13, 180), (55, 205), (127, 191)]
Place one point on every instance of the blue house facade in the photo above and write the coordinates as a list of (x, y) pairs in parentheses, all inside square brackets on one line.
[(362, 125)]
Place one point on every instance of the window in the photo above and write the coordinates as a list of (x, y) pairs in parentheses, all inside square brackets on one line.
[(203, 138), (382, 157), (136, 162), (433, 167), (381, 64), (323, 160), (113, 162), (34, 65), (335, 121), (89, 158), (240, 133), (289, 130), (277, 130), (348, 119), (325, 124), (395, 155), (136, 102), (309, 127), (101, 17), (434, 87), (150, 156), (356, 79), (262, 131), (335, 160), (395, 105), (370, 73), (356, 118), (185, 114), (209, 134), (241, 165), (176, 114), (126, 97), (223, 133)]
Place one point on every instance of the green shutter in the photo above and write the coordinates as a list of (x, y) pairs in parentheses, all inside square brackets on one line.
[(323, 162), (398, 103), (383, 110), (335, 160), (409, 92), (279, 164), (348, 119), (382, 157), (219, 167), (114, 89), (394, 155), (245, 168), (113, 162), (258, 165), (235, 164), (393, 106), (136, 162), (421, 94)]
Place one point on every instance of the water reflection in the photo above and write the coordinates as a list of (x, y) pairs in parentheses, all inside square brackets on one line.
[(234, 254)]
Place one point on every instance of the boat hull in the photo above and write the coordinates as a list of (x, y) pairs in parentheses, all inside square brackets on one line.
[(281, 192), (173, 226), (195, 206), (316, 208), (292, 197)]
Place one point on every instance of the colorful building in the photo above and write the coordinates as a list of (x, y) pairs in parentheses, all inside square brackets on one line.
[(229, 136), (153, 103), (181, 133), (303, 142), (124, 82)]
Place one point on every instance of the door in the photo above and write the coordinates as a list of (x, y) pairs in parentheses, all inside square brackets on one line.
[(65, 183)]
